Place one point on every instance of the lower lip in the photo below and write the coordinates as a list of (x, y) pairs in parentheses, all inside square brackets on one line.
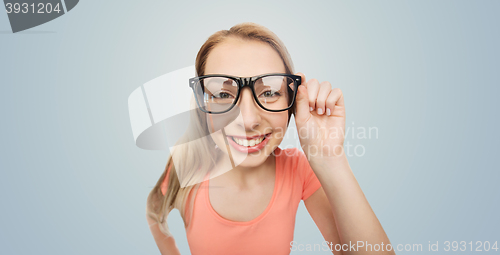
[(249, 149)]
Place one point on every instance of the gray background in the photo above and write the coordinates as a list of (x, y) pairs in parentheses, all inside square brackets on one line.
[(425, 73)]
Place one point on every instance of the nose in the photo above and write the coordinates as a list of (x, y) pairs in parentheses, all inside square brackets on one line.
[(249, 118)]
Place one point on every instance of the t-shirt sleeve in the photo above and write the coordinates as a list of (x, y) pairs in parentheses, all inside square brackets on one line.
[(310, 182), (164, 184)]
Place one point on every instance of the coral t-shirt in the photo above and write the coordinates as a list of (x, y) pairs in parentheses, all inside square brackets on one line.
[(272, 231)]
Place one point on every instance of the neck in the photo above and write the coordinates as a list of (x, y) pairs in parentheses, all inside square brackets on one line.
[(244, 175)]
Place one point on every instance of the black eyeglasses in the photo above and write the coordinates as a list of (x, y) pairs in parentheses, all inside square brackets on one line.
[(219, 93)]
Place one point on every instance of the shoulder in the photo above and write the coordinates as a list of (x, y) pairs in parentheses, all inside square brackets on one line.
[(289, 154), (292, 160), (297, 172)]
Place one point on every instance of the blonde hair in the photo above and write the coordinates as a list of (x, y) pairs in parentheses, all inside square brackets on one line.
[(200, 151)]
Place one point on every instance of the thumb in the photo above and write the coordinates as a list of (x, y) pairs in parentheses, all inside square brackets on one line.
[(302, 113)]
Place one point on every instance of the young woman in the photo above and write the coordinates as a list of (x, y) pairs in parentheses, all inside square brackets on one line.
[(251, 209)]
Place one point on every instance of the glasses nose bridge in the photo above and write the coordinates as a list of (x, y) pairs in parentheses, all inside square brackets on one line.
[(245, 81)]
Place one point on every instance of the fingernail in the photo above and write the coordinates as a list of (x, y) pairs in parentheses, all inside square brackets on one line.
[(328, 111), (320, 111), (310, 109)]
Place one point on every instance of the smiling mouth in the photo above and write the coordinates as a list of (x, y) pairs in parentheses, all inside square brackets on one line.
[(249, 142)]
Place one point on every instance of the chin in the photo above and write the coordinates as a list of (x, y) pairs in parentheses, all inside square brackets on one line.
[(249, 160)]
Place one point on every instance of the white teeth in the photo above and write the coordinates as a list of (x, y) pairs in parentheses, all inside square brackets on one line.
[(248, 143)]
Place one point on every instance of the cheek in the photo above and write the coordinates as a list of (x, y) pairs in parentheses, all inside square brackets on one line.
[(279, 125), (218, 139), (216, 122)]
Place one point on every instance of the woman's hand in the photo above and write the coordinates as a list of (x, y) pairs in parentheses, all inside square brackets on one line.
[(322, 138), (320, 119)]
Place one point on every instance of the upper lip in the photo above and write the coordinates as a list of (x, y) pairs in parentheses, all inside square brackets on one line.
[(249, 137)]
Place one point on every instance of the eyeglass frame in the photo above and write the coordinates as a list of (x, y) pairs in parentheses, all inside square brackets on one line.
[(243, 82)]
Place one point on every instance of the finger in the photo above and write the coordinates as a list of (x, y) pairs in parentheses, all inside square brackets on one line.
[(333, 100), (312, 90), (302, 84), (302, 113), (324, 90), (303, 78), (340, 102)]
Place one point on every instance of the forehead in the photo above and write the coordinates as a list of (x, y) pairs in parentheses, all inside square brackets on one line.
[(243, 58)]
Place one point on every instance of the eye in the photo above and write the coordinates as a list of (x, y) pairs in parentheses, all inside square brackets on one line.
[(270, 93), (222, 95)]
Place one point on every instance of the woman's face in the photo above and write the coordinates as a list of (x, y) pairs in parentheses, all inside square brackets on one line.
[(254, 125)]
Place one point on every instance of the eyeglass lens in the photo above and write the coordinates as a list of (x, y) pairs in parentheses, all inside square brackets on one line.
[(218, 94)]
